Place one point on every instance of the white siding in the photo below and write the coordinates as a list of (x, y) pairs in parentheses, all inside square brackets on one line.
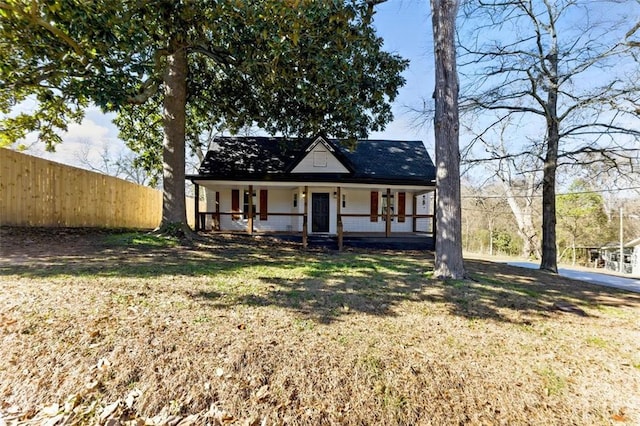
[(226, 222), (210, 198), (424, 205), (278, 201), (296, 221), (357, 201), (320, 160)]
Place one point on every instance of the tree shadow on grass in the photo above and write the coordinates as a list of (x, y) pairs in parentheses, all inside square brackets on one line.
[(334, 285), (321, 285), (380, 284), (530, 292)]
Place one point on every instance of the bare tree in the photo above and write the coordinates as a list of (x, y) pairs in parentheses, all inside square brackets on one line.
[(517, 174), (485, 212), (564, 79), (121, 164), (449, 263)]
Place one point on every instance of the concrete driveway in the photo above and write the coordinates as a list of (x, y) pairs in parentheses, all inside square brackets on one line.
[(629, 284)]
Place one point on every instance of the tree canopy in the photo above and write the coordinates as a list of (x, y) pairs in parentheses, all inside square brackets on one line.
[(581, 217), (173, 69)]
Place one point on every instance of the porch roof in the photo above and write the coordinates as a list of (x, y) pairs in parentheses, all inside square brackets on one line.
[(377, 162), (614, 246)]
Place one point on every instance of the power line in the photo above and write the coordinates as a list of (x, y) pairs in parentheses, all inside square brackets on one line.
[(557, 194)]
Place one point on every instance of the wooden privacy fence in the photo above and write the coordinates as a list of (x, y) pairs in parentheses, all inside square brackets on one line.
[(37, 192)]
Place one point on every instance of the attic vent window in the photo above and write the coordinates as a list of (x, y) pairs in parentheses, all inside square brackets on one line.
[(320, 159)]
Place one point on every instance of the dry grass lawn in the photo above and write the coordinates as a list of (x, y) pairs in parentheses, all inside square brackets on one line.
[(100, 328)]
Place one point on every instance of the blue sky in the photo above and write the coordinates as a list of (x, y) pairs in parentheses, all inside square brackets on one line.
[(405, 25)]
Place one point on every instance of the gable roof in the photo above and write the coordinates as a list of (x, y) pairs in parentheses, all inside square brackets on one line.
[(317, 143), (273, 158)]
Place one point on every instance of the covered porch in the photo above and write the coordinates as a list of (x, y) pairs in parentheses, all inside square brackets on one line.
[(314, 212)]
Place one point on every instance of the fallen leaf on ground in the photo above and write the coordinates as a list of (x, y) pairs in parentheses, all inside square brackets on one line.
[(132, 396), (189, 420), (51, 410), (262, 393), (103, 364), (54, 420), (109, 410)]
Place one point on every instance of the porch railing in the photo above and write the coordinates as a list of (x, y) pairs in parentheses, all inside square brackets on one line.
[(216, 216)]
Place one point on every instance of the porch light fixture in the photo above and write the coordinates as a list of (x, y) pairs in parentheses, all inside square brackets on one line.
[(335, 194)]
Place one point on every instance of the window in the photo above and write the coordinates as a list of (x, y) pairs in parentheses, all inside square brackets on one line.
[(320, 159), (295, 199), (387, 202), (245, 206), (344, 200)]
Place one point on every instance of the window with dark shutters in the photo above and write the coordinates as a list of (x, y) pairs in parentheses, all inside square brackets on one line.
[(245, 205), (401, 207), (235, 204), (374, 206), (263, 205)]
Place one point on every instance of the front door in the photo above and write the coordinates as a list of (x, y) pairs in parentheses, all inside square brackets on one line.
[(320, 212)]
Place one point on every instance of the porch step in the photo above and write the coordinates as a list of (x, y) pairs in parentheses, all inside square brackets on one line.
[(368, 242), (327, 241)]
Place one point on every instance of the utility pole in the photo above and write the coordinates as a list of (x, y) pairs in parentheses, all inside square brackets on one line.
[(621, 259)]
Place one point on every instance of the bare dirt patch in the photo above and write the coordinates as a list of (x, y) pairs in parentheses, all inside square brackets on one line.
[(98, 328)]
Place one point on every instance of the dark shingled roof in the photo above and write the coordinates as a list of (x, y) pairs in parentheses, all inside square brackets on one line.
[(270, 158)]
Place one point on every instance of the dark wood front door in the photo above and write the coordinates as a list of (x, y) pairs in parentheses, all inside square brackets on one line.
[(319, 212)]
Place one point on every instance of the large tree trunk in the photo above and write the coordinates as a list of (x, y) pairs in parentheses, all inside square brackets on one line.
[(174, 214), (549, 249), (449, 263)]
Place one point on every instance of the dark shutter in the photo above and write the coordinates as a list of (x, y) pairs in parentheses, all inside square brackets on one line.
[(374, 206), (263, 204), (401, 207), (235, 204)]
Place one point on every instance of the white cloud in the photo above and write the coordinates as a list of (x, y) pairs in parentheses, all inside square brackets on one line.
[(88, 129), (84, 145)]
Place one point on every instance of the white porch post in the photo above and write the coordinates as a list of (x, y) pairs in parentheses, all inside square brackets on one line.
[(305, 196), (414, 211), (250, 215), (387, 225), (196, 208), (339, 214), (433, 218)]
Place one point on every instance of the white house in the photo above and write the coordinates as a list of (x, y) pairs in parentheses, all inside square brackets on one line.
[(631, 257), (635, 256), (316, 186)]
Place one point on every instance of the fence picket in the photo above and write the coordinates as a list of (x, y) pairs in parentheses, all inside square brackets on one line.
[(38, 192)]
